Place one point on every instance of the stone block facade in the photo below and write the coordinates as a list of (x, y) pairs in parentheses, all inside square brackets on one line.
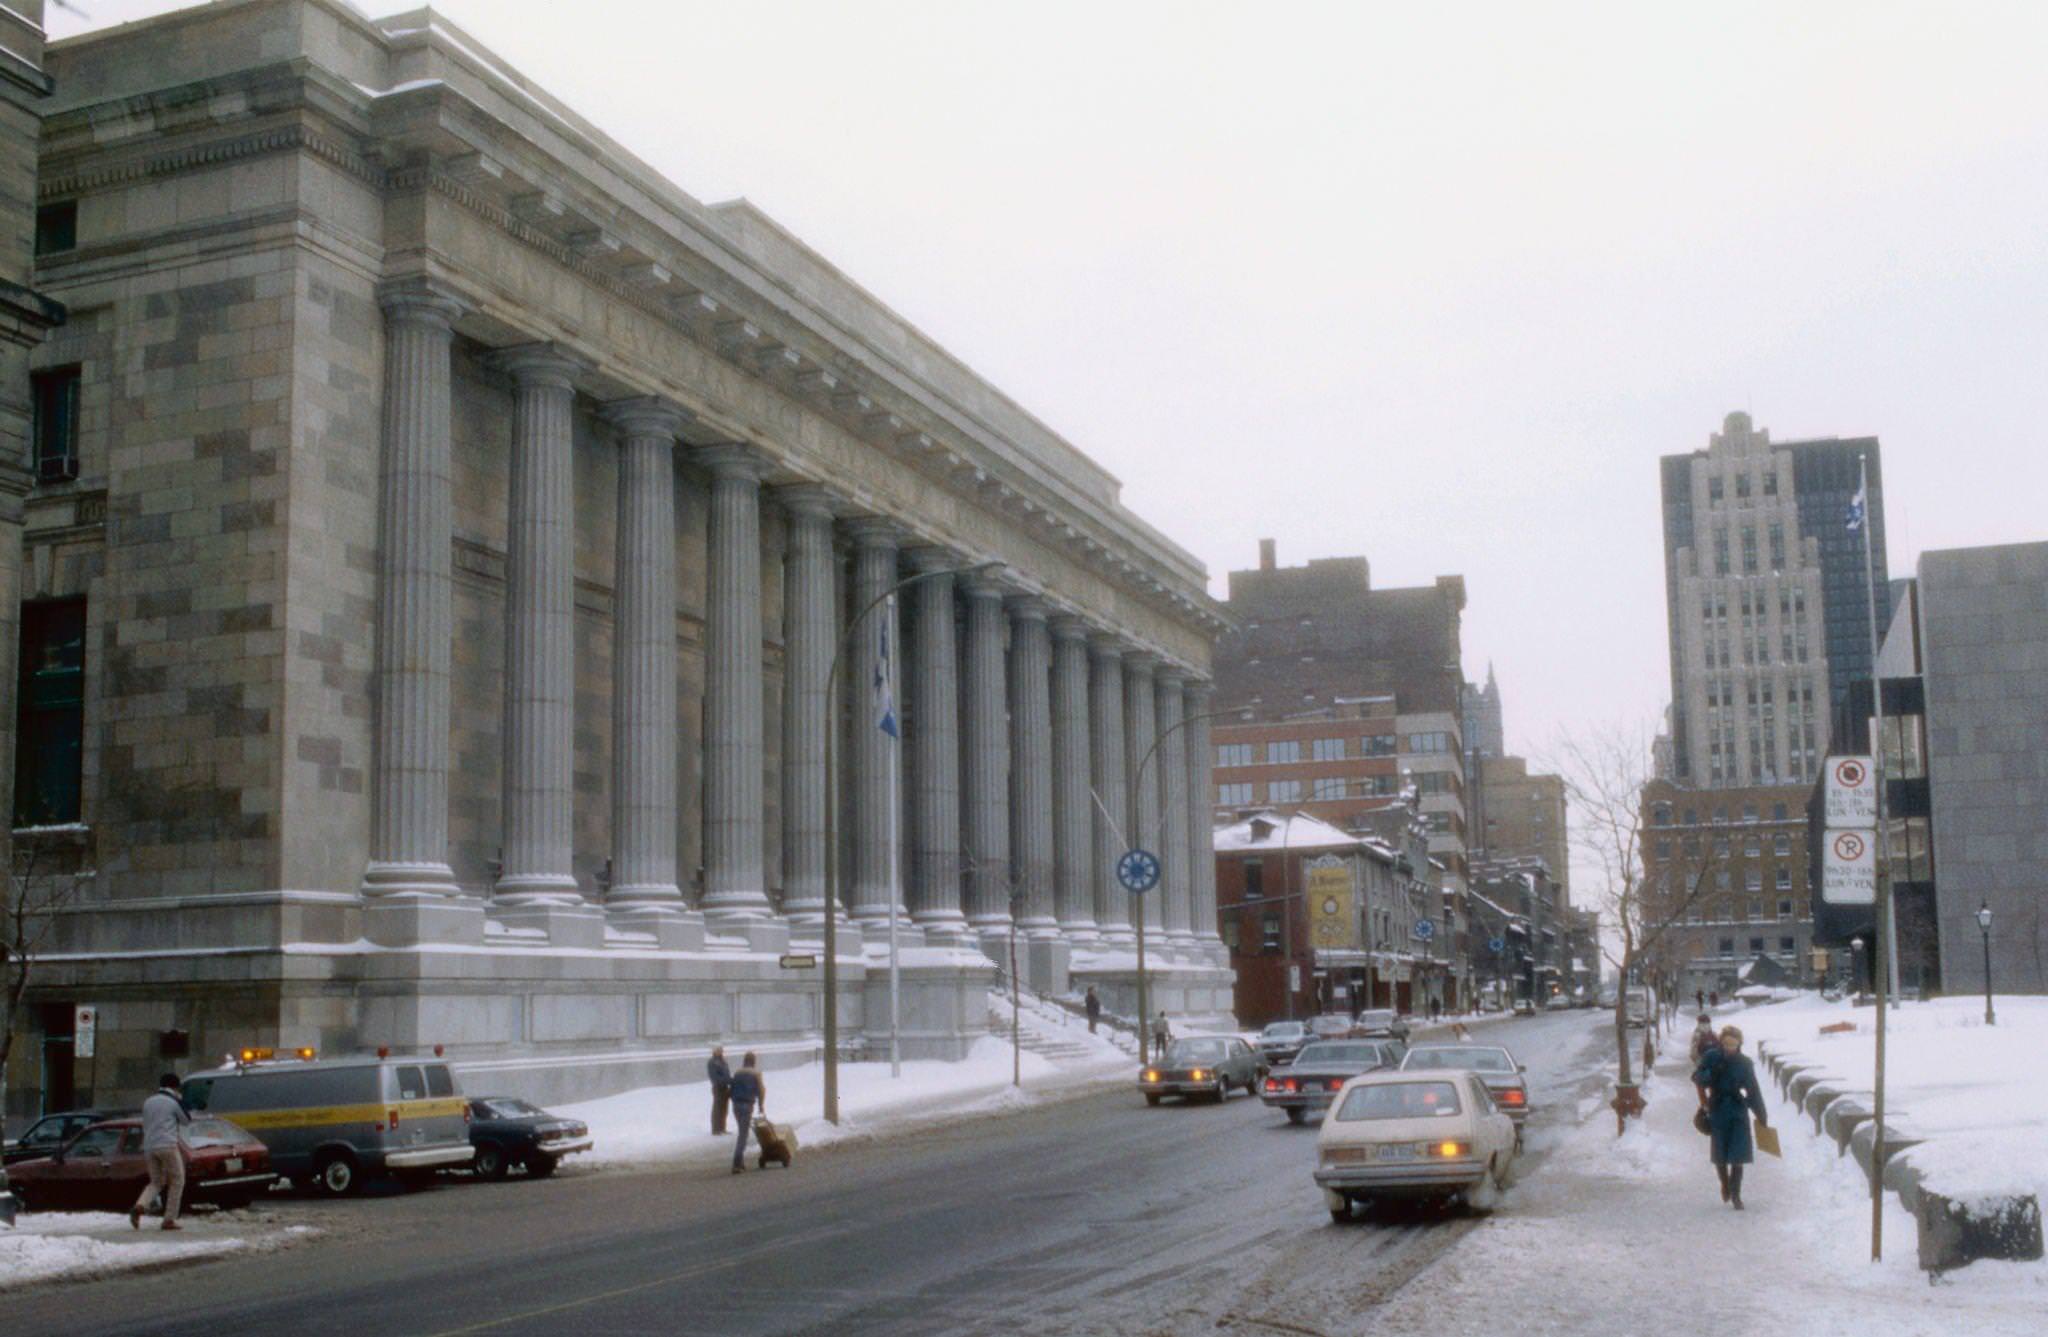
[(425, 438)]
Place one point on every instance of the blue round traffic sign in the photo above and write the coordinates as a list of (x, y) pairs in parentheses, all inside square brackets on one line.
[(1138, 870), (1496, 944), (1425, 929)]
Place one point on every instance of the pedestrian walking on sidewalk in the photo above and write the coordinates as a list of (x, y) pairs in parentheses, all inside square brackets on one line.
[(1162, 1034), (1699, 1000), (163, 1114), (1704, 1041), (720, 1074), (1094, 1002), (1729, 1094), (748, 1093)]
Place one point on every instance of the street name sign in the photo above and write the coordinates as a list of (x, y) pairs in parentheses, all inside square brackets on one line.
[(1851, 798), (1138, 870), (1849, 868), (799, 961)]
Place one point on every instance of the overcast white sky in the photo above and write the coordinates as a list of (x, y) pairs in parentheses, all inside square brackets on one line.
[(1434, 284)]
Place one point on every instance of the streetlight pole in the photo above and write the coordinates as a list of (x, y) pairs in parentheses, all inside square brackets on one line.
[(831, 1001), (1984, 925)]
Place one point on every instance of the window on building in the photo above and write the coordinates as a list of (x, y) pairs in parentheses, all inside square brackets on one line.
[(1692, 817), (1722, 880), (1435, 742), (1714, 492), (57, 227), (1786, 946), (1756, 908), (1784, 879), (1660, 815), (1756, 944), (50, 713), (1752, 848), (1771, 484), (1749, 809), (1784, 907), (1663, 847), (1742, 487), (1753, 880), (1230, 933), (54, 409), (1284, 791), (1282, 750), (1327, 749), (1234, 796), (1254, 879), (1727, 946), (1432, 782), (1720, 552), (1269, 933), (1748, 551), (1330, 787), (1233, 754), (1377, 745), (1720, 847), (1781, 845), (1384, 784), (1777, 812)]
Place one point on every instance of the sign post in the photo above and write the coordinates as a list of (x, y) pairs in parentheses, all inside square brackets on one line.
[(1138, 872)]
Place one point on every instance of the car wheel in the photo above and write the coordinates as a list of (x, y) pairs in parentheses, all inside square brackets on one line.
[(1151, 1097), (335, 1175), (1296, 1114), (1483, 1197), (490, 1161), (22, 1199), (1339, 1205), (540, 1167)]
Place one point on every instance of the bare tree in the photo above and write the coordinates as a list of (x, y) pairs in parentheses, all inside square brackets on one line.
[(49, 869), (1605, 772)]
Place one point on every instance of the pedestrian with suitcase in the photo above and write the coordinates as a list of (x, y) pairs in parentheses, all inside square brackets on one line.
[(720, 1073), (748, 1093)]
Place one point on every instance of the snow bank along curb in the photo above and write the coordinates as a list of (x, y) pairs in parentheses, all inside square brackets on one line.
[(71, 1246), (1955, 1228)]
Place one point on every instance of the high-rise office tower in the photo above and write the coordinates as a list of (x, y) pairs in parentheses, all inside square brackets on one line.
[(1769, 614)]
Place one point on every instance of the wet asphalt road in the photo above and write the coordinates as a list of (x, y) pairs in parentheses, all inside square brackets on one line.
[(1087, 1216)]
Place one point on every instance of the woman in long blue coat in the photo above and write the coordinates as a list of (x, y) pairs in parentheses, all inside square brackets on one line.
[(1729, 1094)]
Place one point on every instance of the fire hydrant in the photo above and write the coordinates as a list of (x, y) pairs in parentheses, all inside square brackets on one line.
[(1627, 1104)]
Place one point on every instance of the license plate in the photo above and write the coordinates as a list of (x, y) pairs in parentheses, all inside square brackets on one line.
[(1397, 1151), (234, 1164)]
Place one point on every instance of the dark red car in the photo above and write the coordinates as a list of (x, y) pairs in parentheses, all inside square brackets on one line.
[(103, 1168)]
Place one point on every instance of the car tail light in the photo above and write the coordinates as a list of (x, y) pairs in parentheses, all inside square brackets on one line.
[(1514, 1096), (1272, 1084), (1292, 1085), (394, 1120), (466, 1116), (1446, 1150), (1336, 1083)]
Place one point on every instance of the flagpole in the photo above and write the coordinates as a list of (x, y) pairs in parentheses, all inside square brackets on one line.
[(895, 874), (1886, 930)]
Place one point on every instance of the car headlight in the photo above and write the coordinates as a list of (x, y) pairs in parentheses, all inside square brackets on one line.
[(1197, 1075), (1151, 1076)]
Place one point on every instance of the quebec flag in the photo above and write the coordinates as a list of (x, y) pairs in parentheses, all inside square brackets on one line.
[(885, 700), (1855, 517)]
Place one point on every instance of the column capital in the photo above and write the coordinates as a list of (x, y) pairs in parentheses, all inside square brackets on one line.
[(731, 459), (873, 531), (1028, 608), (813, 500), (420, 300), (1198, 689), (1105, 645), (1067, 627), (931, 557), (645, 415), (539, 366), (985, 584), (1168, 676), (1142, 662)]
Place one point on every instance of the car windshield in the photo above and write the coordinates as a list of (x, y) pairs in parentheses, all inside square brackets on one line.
[(1399, 1100), (1282, 1030), (1474, 1060), (1376, 1018), (507, 1108), (1338, 1054), (1197, 1051), (213, 1133)]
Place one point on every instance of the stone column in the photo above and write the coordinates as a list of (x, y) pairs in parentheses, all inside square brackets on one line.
[(1172, 764), (810, 622), (735, 756), (1111, 797), (1033, 847), (1201, 820), (873, 754), (1072, 773), (985, 768), (644, 895), (536, 886), (408, 885), (934, 720)]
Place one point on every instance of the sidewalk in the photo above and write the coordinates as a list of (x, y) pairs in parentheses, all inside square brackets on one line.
[(45, 1246), (1629, 1235)]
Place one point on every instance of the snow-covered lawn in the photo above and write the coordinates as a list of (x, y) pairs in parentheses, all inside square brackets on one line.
[(46, 1246), (1629, 1235), (673, 1123), (1977, 1093)]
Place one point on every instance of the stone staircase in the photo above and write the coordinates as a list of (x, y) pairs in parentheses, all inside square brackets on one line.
[(1050, 1032)]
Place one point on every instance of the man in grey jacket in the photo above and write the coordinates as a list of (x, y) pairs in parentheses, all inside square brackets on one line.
[(162, 1115)]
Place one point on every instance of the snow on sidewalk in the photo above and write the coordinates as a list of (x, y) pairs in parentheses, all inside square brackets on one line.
[(1629, 1235), (49, 1246), (673, 1123)]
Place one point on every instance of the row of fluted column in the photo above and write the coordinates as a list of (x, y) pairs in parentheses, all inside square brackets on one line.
[(1034, 749)]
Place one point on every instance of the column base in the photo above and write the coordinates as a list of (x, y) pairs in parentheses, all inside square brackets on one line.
[(1046, 962), (389, 878), (909, 933), (728, 911), (566, 924), (674, 927), (764, 935), (946, 928), (410, 920)]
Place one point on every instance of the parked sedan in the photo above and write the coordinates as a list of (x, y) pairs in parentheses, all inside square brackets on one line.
[(1376, 1022), (103, 1168), (1312, 1081), (508, 1132), (1495, 1066), (1414, 1134), (1203, 1065), (52, 1131), (1281, 1041)]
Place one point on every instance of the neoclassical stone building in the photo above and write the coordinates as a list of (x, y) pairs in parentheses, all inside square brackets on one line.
[(466, 521)]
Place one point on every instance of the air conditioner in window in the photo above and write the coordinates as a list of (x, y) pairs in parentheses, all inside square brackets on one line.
[(56, 468)]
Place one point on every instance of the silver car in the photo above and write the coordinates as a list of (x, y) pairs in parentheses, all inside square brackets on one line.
[(1209, 1066)]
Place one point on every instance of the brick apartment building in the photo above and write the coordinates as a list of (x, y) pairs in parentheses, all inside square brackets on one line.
[(1746, 852)]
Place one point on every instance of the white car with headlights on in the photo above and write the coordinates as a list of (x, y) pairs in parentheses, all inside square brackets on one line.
[(1414, 1135)]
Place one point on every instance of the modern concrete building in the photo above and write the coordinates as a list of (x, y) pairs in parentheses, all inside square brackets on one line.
[(467, 539)]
